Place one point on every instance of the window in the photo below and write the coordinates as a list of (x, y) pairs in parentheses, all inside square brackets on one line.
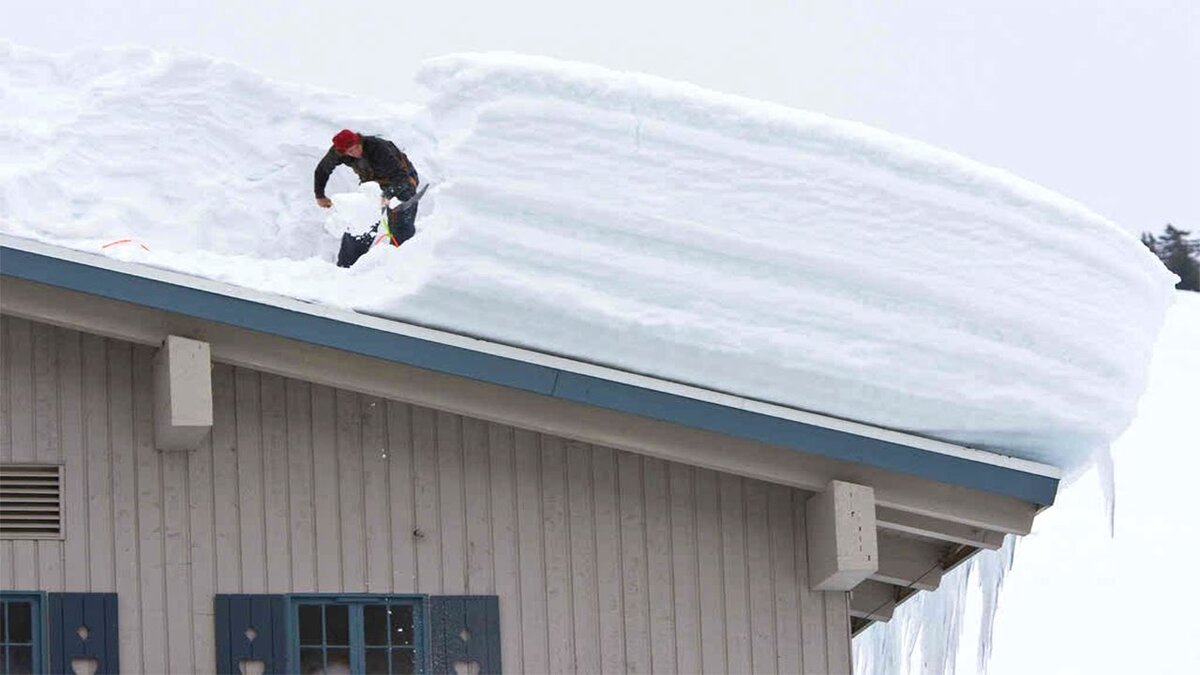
[(20, 633), (358, 634)]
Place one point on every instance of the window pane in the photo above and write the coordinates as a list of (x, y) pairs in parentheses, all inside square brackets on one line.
[(402, 624), (337, 625), (312, 661), (375, 624), (3, 635), (20, 620), (377, 661), (402, 661), (22, 660), (310, 624), (338, 661)]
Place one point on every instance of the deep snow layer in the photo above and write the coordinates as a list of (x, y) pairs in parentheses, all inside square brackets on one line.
[(620, 219)]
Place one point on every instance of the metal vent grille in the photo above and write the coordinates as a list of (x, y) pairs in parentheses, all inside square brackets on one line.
[(30, 501)]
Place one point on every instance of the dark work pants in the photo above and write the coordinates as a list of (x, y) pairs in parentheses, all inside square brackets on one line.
[(402, 225)]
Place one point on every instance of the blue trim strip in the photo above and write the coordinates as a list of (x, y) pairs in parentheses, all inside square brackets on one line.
[(530, 377)]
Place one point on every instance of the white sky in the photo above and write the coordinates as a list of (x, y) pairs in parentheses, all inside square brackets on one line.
[(1098, 100)]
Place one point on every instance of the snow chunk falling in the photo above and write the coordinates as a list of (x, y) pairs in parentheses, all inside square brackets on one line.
[(620, 219)]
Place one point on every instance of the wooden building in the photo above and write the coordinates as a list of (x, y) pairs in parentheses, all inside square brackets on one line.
[(196, 477)]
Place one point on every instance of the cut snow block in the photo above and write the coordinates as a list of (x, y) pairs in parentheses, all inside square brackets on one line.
[(842, 545), (183, 408)]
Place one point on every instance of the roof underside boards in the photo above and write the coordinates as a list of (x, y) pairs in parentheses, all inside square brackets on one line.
[(524, 370)]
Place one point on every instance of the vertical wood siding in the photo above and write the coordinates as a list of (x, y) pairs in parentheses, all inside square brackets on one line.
[(604, 560)]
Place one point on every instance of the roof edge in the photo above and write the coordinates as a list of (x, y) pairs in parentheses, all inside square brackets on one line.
[(527, 369)]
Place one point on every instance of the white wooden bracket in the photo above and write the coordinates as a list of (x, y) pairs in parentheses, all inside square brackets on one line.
[(183, 402), (842, 545)]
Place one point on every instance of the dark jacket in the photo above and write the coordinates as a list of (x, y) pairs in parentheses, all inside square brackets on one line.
[(381, 162)]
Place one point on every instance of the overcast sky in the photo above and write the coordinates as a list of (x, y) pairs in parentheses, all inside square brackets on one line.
[(1096, 99)]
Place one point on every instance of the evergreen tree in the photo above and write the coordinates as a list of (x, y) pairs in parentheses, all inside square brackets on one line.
[(1180, 254), (1148, 240)]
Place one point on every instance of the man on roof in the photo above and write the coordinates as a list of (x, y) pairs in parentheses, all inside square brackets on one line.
[(373, 159)]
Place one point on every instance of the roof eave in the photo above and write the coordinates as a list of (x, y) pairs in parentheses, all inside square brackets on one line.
[(528, 370)]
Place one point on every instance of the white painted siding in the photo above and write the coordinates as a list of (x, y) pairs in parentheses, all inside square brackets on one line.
[(604, 560)]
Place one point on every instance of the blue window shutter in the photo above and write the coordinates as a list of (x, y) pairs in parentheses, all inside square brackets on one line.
[(251, 628), (96, 612), (475, 617)]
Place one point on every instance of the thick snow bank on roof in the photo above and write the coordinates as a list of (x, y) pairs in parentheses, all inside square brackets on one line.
[(625, 220)]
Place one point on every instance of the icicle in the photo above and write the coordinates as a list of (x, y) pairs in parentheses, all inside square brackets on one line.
[(940, 623), (1106, 472), (993, 567), (925, 632), (928, 627)]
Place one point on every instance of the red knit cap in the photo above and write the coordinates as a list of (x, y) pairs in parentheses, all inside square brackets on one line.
[(344, 140)]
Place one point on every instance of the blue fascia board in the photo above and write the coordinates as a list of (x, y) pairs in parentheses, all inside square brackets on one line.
[(266, 318), (808, 438), (525, 376)]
